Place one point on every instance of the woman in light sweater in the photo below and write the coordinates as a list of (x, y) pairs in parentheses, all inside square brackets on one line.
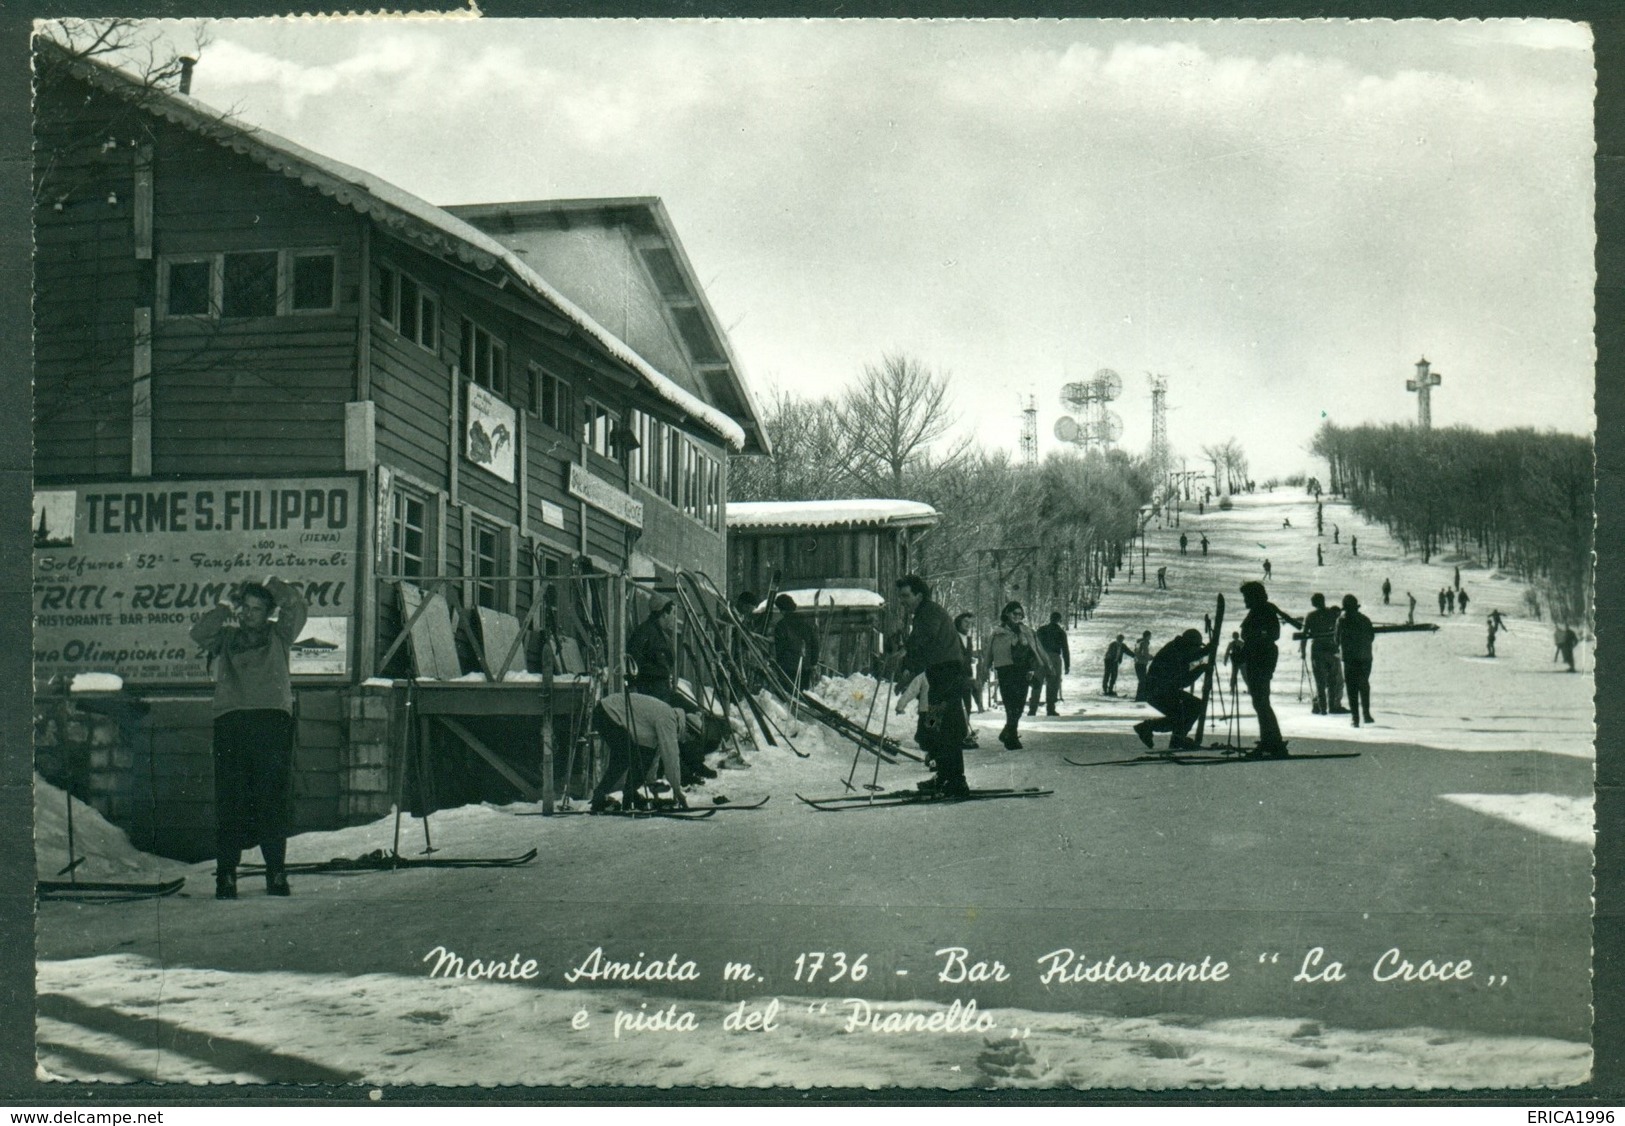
[(1014, 656), (253, 727)]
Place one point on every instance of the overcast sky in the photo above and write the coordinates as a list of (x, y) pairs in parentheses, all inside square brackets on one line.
[(1280, 217)]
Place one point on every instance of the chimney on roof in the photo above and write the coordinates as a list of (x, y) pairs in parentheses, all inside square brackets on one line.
[(187, 63)]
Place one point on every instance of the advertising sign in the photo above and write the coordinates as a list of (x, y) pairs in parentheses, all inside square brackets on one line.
[(122, 570), (489, 433), (602, 495)]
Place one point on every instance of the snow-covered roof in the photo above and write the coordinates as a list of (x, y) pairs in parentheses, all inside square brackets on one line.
[(831, 598), (401, 211), (828, 513)]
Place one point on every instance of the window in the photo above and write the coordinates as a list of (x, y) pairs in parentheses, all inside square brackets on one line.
[(408, 308), (713, 498), (596, 423), (485, 562), (250, 283), (190, 287), (408, 534), (314, 288), (549, 398), (484, 359)]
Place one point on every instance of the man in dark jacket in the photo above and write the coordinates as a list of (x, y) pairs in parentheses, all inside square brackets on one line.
[(934, 648), (795, 643), (1174, 669), (1318, 637), (1260, 629), (1354, 637), (1115, 652), (1052, 638), (652, 650)]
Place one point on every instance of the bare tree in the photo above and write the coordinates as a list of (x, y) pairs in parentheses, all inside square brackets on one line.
[(897, 410), (810, 459)]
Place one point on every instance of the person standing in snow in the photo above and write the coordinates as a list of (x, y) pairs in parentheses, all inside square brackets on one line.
[(934, 648), (1052, 640), (1410, 615), (1566, 640), (1319, 638), (795, 643), (651, 648), (1142, 656), (1204, 543), (973, 688), (1461, 602), (1387, 589), (1260, 630), (1184, 540), (1114, 657), (1232, 657), (1355, 635), (253, 727), (1014, 656)]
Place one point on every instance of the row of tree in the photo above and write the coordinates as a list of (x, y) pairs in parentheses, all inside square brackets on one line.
[(1520, 500), (1052, 535)]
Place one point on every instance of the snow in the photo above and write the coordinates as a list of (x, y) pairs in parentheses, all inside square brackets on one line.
[(342, 181), (96, 682), (831, 598), (826, 513), (404, 1027)]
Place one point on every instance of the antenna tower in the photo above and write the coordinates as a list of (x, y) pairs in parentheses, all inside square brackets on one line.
[(1029, 432), (1160, 454)]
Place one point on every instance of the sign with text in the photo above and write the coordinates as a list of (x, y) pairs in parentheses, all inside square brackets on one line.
[(602, 495), (123, 568)]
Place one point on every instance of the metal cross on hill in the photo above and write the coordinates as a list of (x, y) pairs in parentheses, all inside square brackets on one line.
[(1423, 385)]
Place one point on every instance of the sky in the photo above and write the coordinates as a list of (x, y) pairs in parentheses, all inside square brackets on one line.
[(1280, 217)]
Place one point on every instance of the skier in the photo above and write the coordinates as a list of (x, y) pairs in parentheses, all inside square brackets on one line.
[(934, 648), (1461, 601), (1354, 637), (1114, 657), (1267, 570), (1204, 543), (1492, 626), (1142, 656), (1259, 631), (1320, 556), (655, 727), (1566, 641), (1387, 589), (652, 651), (1320, 520), (1335, 532), (1183, 540), (795, 643), (1354, 545), (1458, 578), (1287, 522), (1052, 640), (1232, 657), (1319, 638), (1410, 616), (1162, 578), (1175, 667), (973, 687), (253, 727), (1446, 600)]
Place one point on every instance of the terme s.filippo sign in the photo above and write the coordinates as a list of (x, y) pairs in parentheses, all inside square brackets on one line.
[(122, 569)]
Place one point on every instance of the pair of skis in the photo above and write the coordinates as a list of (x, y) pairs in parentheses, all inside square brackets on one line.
[(379, 860), (672, 813), (916, 797), (81, 891)]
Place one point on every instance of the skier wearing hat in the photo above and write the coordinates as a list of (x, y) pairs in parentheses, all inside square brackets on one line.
[(652, 650), (1174, 669), (1354, 637)]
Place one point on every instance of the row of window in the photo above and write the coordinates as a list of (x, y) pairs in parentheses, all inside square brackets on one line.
[(673, 466), (411, 538), (250, 283)]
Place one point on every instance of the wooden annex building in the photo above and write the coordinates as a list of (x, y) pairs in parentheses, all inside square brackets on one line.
[(826, 554), (251, 360)]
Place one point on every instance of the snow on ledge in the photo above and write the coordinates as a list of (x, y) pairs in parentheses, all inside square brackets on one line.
[(831, 598), (827, 513)]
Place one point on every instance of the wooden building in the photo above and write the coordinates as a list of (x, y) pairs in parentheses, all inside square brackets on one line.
[(253, 359), (820, 551)]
